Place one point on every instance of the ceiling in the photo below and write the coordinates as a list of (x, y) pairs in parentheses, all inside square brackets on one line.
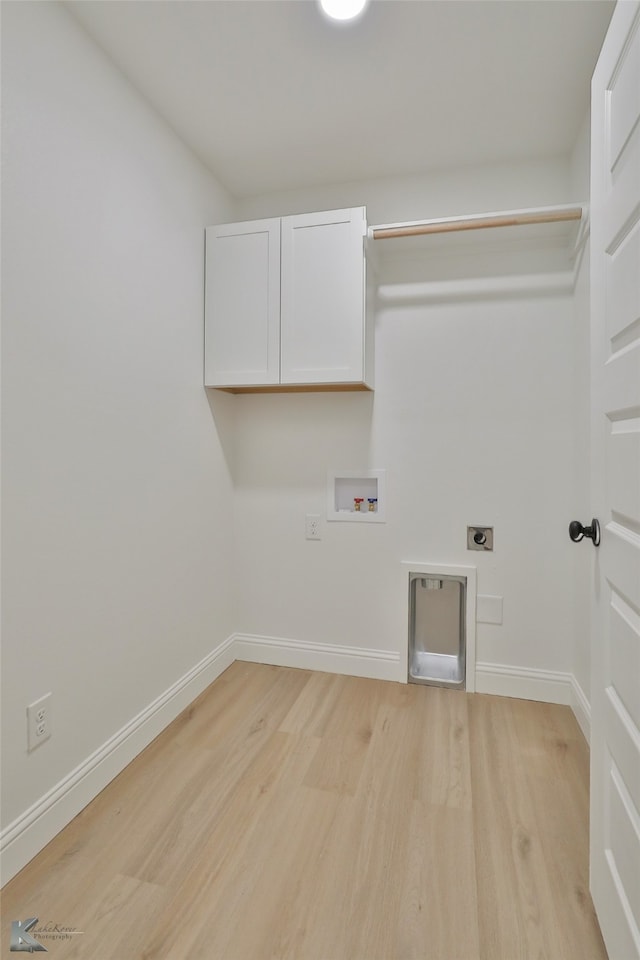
[(272, 96)]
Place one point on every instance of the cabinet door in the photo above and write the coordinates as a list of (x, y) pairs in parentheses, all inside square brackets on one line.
[(242, 303), (322, 297)]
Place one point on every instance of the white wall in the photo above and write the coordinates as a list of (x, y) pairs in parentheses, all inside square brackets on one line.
[(117, 529), (454, 192), (472, 417)]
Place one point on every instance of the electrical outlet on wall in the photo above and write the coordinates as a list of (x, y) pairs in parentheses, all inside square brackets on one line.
[(312, 526), (38, 722)]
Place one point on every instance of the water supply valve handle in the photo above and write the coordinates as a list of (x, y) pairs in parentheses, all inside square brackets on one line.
[(577, 531)]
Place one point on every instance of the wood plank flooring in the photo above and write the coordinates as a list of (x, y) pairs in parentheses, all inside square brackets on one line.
[(291, 814)]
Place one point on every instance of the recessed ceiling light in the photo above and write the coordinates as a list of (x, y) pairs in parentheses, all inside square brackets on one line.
[(343, 9)]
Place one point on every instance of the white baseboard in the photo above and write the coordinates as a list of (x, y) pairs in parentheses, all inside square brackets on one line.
[(30, 832), (544, 685), (507, 681), (330, 658), (581, 708)]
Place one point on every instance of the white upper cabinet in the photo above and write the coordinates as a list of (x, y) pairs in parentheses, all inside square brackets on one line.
[(242, 328), (285, 304), (322, 297)]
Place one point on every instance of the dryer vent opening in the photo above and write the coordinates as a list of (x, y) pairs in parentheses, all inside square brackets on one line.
[(437, 641)]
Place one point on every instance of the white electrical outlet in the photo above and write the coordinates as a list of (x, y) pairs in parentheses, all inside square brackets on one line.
[(312, 526), (38, 722)]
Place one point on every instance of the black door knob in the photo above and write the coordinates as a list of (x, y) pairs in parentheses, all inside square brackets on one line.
[(577, 531)]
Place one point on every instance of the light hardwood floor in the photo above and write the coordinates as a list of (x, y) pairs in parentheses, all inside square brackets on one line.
[(291, 814)]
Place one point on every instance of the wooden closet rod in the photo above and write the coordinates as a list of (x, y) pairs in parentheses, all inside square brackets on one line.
[(479, 222)]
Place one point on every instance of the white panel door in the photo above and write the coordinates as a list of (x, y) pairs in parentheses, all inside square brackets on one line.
[(242, 303), (322, 308), (615, 309)]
